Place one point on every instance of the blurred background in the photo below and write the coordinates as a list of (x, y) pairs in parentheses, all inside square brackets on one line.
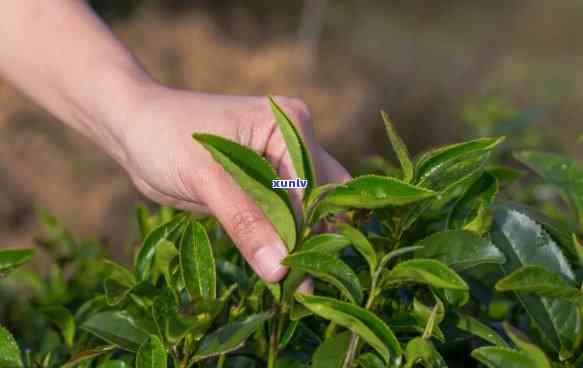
[(444, 71)]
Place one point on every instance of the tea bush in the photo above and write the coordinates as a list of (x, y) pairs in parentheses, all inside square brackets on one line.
[(423, 266)]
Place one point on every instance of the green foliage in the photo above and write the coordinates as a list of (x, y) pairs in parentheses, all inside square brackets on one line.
[(425, 267)]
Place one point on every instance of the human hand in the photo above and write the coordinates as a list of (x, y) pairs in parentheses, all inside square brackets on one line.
[(170, 168)]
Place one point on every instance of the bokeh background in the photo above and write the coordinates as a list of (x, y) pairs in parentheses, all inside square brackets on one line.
[(444, 70)]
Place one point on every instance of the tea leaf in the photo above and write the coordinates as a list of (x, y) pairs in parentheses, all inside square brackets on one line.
[(329, 269), (427, 271), (230, 337), (326, 243), (474, 201), (331, 353), (400, 149), (168, 231), (118, 283), (471, 325), (560, 172), (64, 320), (459, 249), (500, 357), (143, 219), (197, 263), (85, 355), (370, 360), (297, 149), (118, 328), (524, 242), (360, 243), (538, 280), (431, 162), (420, 350), (522, 342), (359, 320), (165, 257), (10, 259), (9, 351), (254, 174), (368, 192), (152, 354), (114, 364)]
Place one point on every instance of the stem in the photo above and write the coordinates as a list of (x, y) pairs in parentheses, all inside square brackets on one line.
[(272, 357), (221, 361), (353, 345)]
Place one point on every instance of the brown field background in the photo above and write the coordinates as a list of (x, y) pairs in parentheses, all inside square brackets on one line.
[(443, 70)]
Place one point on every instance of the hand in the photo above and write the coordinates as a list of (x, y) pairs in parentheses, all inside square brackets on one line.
[(169, 167)]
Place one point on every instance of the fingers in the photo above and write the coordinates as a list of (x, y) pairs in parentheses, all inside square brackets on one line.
[(329, 170), (246, 224)]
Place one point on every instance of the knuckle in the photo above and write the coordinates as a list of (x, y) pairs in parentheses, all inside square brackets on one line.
[(245, 223)]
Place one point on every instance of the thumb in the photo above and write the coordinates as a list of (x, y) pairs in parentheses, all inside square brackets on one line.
[(246, 224)]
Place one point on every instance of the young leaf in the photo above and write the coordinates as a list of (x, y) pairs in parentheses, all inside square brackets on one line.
[(473, 326), (427, 271), (400, 149), (360, 243), (360, 321), (152, 354), (422, 351), (474, 201), (86, 355), (368, 192), (197, 263), (326, 243), (11, 259), (229, 337), (168, 231), (330, 269), (254, 174), (525, 242), (459, 249), (297, 149), (434, 160), (143, 219), (331, 353), (119, 328), (64, 320), (9, 351), (560, 172), (538, 280), (118, 283), (499, 357)]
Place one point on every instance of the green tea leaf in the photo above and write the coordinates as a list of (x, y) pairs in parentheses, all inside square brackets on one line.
[(197, 263), (114, 364), (143, 220), (560, 172), (9, 351), (254, 174), (230, 337), (330, 269), (331, 353), (524, 242), (86, 355), (360, 243), (400, 149), (538, 280), (118, 283), (326, 243), (64, 320), (152, 354), (359, 320), (371, 191), (297, 149), (473, 326), (433, 161), (471, 205), (168, 231), (370, 360), (164, 259), (427, 271), (459, 249), (10, 259), (118, 328), (500, 357), (421, 351), (522, 342)]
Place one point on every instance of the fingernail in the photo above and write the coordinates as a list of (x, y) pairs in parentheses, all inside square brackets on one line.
[(268, 260)]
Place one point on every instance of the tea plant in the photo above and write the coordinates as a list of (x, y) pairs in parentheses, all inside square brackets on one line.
[(424, 267)]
